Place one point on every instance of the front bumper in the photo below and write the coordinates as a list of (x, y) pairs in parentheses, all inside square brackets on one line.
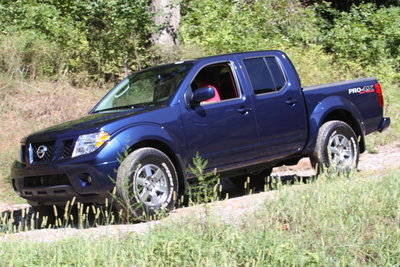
[(58, 183), (385, 123)]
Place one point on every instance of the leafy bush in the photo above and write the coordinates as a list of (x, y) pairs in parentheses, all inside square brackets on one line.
[(366, 40), (27, 55), (231, 26), (103, 38), (366, 35)]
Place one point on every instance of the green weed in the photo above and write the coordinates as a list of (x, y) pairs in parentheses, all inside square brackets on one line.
[(207, 187)]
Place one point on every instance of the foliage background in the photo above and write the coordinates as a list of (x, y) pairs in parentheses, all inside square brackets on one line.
[(105, 39), (98, 39)]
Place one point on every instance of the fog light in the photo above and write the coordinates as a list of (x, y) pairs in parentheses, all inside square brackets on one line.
[(85, 179)]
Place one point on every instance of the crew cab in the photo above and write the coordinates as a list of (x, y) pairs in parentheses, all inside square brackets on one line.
[(244, 113)]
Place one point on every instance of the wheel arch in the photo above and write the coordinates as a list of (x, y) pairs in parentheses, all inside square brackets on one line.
[(158, 137), (335, 108), (163, 147), (348, 118)]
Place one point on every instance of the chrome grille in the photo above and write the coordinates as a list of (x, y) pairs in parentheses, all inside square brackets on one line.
[(41, 152), (68, 148)]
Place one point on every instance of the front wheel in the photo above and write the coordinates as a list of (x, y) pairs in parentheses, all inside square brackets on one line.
[(336, 148), (146, 183)]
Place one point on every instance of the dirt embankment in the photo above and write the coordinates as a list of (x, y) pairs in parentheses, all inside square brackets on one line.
[(233, 209)]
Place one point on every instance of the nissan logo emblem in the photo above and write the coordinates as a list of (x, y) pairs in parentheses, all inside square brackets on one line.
[(41, 151)]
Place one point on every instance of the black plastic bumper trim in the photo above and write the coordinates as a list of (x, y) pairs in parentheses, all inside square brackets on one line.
[(385, 123)]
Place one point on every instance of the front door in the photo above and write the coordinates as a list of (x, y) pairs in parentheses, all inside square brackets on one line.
[(223, 129)]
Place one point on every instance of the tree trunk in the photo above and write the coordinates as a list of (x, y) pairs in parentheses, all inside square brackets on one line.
[(166, 17)]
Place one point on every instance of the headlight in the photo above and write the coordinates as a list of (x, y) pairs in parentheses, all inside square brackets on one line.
[(88, 143)]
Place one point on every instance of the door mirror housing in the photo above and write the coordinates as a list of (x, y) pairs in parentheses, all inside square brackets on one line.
[(202, 94)]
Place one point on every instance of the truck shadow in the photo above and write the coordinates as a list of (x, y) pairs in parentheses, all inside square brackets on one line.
[(25, 219), (230, 190)]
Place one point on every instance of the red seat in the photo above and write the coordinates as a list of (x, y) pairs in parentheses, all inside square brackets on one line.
[(216, 96)]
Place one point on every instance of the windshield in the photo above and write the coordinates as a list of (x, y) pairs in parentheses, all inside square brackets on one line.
[(153, 86)]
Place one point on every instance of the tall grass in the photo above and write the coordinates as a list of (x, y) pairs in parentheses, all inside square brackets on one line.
[(346, 221)]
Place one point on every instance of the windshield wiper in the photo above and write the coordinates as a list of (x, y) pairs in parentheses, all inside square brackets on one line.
[(140, 105)]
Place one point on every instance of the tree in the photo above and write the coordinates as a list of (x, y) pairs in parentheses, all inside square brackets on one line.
[(166, 15)]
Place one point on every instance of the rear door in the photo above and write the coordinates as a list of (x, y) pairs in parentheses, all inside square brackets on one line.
[(222, 132), (278, 105)]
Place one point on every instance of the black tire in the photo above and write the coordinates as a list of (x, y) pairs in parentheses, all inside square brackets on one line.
[(256, 180), (336, 148), (146, 184)]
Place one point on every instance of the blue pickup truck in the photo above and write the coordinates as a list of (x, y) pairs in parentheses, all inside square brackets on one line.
[(245, 113)]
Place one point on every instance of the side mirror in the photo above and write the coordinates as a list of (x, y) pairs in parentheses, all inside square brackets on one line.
[(202, 94)]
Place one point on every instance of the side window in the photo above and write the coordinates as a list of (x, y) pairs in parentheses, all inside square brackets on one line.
[(259, 75), (276, 73), (265, 74), (220, 77)]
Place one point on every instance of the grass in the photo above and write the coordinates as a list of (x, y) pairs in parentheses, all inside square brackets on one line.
[(333, 221)]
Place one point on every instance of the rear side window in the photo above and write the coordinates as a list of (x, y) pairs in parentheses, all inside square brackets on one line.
[(276, 72), (265, 74)]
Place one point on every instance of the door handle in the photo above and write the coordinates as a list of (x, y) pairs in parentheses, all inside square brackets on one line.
[(244, 110), (291, 101)]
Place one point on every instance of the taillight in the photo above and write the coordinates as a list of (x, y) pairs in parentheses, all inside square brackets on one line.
[(378, 91)]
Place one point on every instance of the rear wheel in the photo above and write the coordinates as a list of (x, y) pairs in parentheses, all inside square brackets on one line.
[(336, 148), (146, 183)]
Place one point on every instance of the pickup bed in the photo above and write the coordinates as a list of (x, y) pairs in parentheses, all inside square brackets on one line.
[(245, 113)]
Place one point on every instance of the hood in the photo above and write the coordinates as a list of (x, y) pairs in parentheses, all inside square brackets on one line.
[(87, 124)]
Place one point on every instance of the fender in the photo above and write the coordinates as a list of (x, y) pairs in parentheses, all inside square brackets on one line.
[(137, 133), (151, 132), (322, 110)]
